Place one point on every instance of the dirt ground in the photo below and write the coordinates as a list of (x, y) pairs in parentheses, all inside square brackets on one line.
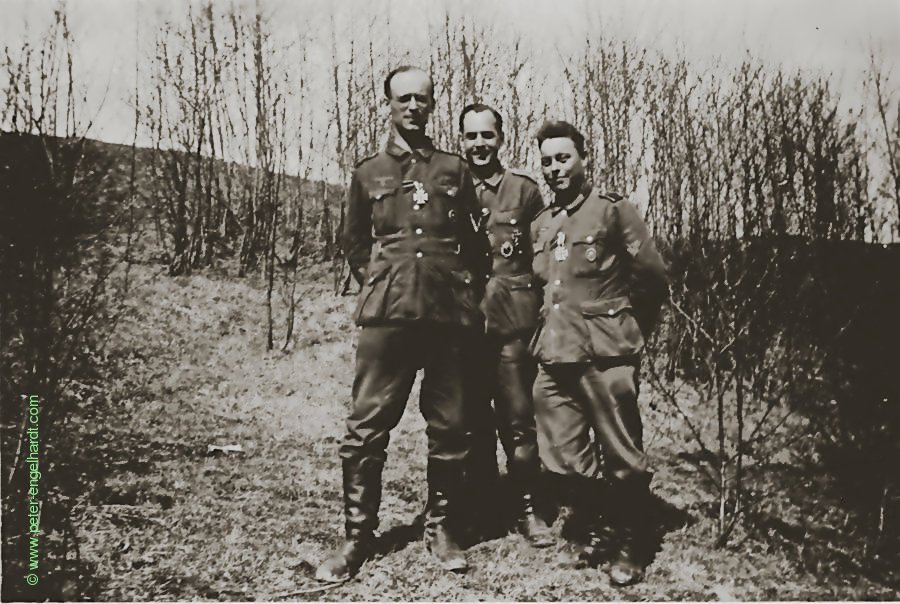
[(172, 518)]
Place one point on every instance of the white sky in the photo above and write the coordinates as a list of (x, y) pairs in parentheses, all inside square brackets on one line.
[(833, 37)]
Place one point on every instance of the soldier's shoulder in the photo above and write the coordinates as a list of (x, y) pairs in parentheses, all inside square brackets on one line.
[(448, 156), (366, 161), (611, 196), (542, 215), (523, 175)]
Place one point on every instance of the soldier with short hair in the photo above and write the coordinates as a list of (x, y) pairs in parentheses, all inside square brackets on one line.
[(410, 241), (603, 285), (503, 370)]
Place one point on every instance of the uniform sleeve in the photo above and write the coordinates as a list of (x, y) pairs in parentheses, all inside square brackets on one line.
[(539, 260), (649, 282), (356, 240), (534, 202), (475, 248)]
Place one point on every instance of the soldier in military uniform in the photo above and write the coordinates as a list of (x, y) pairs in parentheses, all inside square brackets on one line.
[(604, 282), (503, 370), (416, 207)]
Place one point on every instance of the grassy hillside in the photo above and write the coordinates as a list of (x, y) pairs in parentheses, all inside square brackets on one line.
[(196, 465), (171, 518)]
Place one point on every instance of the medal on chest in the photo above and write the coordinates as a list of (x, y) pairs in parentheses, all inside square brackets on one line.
[(561, 252), (420, 197), (513, 245)]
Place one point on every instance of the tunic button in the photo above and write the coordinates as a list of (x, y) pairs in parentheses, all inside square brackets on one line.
[(611, 312), (513, 221), (557, 282), (468, 280), (418, 231), (556, 306), (418, 254), (590, 239), (487, 276)]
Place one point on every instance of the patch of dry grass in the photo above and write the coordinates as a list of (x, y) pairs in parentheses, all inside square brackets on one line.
[(172, 521)]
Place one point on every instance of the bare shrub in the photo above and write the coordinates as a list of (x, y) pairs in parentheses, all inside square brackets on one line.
[(62, 236)]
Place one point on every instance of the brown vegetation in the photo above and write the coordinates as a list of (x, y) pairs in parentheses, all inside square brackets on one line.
[(772, 407)]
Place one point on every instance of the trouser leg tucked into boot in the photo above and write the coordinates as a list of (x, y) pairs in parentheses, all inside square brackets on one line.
[(523, 476), (444, 483), (362, 497), (631, 515)]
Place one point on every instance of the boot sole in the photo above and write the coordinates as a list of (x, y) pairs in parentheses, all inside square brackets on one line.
[(455, 566), (332, 579), (628, 581)]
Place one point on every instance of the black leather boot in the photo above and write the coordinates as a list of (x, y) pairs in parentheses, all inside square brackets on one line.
[(593, 510), (362, 498), (631, 515), (479, 511), (444, 485), (346, 561), (523, 478)]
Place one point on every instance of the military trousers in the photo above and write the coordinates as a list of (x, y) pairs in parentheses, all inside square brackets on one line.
[(574, 399), (504, 372), (387, 360)]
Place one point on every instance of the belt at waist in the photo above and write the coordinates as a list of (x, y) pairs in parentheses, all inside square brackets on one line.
[(405, 246)]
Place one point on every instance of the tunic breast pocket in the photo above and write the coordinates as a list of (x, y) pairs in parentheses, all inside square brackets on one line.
[(507, 234), (590, 256), (440, 208), (384, 211)]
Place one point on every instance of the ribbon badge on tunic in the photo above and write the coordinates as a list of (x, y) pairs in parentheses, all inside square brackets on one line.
[(561, 252)]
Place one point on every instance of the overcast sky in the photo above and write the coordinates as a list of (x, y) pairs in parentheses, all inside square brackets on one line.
[(829, 36)]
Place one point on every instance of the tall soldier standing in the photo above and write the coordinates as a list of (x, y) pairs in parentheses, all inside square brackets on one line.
[(604, 283), (420, 293), (504, 370)]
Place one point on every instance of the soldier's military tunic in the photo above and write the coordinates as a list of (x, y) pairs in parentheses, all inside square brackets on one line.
[(409, 239), (604, 282), (505, 370)]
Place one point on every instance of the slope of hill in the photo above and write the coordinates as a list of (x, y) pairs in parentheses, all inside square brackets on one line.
[(222, 479)]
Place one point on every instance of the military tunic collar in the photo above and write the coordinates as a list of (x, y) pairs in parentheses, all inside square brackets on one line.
[(493, 181), (399, 148), (576, 203)]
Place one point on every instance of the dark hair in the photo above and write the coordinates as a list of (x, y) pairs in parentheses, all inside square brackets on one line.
[(479, 108), (561, 129), (404, 69)]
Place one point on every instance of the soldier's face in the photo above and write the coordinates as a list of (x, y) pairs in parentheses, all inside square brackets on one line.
[(481, 141), (562, 166), (411, 101)]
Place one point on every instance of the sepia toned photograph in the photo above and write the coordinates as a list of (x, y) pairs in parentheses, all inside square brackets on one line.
[(450, 301)]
